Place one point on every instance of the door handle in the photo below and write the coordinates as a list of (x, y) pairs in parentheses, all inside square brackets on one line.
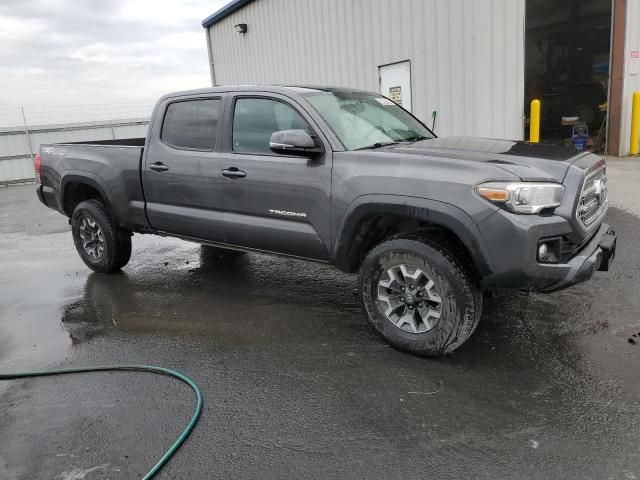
[(233, 173), (158, 167)]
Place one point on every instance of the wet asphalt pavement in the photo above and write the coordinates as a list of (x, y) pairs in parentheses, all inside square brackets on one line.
[(296, 384)]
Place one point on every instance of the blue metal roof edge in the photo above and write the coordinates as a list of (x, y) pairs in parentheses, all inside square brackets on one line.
[(228, 9)]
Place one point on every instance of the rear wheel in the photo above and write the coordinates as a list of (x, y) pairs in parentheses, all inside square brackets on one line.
[(102, 244), (419, 296)]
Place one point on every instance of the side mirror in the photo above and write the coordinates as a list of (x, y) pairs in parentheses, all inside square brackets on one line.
[(294, 142)]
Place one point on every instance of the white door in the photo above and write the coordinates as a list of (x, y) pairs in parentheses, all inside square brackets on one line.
[(395, 83)]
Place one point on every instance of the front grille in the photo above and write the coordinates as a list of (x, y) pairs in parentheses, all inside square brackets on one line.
[(593, 199)]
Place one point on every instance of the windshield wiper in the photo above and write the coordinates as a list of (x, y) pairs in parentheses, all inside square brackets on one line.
[(417, 138), (377, 145)]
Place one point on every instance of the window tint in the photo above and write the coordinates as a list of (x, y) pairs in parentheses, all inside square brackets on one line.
[(255, 119), (191, 124)]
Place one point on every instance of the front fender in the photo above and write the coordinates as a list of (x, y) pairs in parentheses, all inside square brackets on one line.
[(432, 211)]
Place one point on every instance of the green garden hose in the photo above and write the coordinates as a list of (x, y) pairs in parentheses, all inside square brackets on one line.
[(147, 368)]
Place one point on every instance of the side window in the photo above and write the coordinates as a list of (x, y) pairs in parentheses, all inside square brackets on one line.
[(255, 119), (191, 124)]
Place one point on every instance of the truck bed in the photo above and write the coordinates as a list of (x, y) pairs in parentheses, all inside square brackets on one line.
[(111, 166), (124, 142)]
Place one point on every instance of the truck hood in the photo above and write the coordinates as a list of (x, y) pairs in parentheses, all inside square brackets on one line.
[(529, 161)]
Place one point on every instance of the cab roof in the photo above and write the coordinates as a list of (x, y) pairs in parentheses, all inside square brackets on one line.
[(282, 89)]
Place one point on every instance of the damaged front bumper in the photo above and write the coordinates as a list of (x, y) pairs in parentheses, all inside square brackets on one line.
[(596, 256), (523, 272)]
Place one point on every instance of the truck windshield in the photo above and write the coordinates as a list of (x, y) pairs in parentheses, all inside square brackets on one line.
[(365, 120)]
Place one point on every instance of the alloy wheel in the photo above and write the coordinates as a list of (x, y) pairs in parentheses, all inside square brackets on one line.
[(92, 238), (409, 298)]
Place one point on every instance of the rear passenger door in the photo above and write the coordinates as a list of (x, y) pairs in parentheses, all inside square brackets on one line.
[(274, 202), (181, 171)]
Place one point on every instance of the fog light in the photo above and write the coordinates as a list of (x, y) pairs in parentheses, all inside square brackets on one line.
[(542, 250), (549, 250)]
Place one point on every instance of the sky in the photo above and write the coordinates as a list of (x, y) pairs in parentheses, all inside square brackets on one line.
[(80, 52)]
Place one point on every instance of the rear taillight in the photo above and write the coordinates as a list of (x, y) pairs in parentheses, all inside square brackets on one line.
[(37, 165)]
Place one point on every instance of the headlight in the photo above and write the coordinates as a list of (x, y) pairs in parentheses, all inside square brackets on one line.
[(522, 197)]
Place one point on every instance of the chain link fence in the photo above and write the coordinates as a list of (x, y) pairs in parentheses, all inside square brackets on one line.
[(39, 115)]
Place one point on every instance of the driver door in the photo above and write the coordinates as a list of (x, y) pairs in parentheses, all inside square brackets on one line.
[(274, 202)]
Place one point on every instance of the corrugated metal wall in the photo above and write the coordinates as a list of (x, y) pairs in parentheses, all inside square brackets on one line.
[(631, 82), (16, 163), (467, 56)]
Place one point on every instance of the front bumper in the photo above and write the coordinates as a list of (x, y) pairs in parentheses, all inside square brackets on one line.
[(513, 256), (596, 256)]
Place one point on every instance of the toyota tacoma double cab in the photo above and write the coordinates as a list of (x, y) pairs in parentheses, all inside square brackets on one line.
[(349, 178)]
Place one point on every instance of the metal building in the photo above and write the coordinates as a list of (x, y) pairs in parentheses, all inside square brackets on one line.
[(464, 59), (629, 75)]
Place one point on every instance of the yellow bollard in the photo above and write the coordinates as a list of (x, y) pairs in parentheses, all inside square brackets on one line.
[(534, 122), (634, 148)]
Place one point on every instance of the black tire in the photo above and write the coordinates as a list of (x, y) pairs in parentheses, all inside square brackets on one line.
[(461, 298), (116, 241)]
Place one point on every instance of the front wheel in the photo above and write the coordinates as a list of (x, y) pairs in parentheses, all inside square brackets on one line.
[(102, 244), (419, 296)]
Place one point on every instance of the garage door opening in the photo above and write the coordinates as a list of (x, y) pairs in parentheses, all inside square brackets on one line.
[(567, 67)]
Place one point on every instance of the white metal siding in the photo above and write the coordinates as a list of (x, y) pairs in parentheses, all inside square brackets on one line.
[(15, 156), (631, 82), (467, 59)]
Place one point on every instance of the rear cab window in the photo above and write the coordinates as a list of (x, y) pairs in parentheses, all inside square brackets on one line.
[(191, 124)]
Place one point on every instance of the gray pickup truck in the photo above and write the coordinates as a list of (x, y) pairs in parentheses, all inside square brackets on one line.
[(345, 177)]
